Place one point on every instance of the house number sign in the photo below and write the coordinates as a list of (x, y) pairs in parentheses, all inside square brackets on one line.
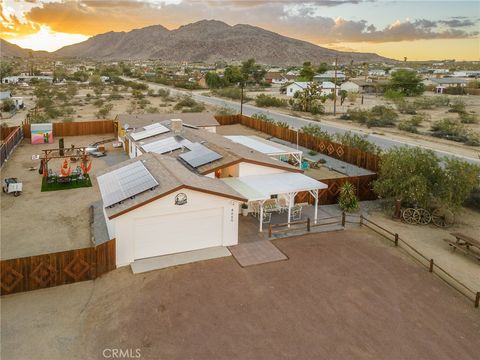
[(181, 199)]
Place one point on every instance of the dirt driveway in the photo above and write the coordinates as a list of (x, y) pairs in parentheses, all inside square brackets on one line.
[(341, 295), (41, 222)]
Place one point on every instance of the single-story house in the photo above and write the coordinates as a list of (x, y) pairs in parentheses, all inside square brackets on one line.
[(350, 86), (296, 86), (445, 83), (377, 72), (329, 75), (183, 187), (275, 78), (17, 100), (328, 88), (153, 205), (26, 79)]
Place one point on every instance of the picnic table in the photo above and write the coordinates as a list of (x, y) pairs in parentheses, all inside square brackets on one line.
[(466, 244)]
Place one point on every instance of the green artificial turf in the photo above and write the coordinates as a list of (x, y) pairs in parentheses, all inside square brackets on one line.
[(71, 185)]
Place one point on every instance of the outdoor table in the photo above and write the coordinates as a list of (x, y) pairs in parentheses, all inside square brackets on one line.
[(465, 244)]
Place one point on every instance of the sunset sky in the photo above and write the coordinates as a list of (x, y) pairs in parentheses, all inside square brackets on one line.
[(418, 30)]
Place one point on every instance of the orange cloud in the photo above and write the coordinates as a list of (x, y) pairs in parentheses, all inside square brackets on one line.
[(11, 26)]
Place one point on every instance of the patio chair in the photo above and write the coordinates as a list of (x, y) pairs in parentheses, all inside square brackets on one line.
[(255, 206), (305, 165), (282, 204), (296, 213), (267, 217)]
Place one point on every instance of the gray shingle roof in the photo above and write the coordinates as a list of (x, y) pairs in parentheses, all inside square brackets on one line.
[(171, 176)]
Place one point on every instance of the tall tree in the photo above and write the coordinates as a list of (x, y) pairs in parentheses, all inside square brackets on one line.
[(5, 70), (407, 82), (307, 72)]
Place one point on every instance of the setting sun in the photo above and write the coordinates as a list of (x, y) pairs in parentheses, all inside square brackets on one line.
[(46, 39)]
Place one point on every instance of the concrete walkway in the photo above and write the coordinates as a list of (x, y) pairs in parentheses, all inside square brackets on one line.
[(165, 261), (256, 253)]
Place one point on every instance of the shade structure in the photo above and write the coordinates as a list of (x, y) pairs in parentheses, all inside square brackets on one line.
[(267, 147)]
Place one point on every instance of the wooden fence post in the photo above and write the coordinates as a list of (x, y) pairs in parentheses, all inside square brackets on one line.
[(343, 218), (361, 219), (396, 239), (431, 265), (308, 224), (477, 299), (269, 230)]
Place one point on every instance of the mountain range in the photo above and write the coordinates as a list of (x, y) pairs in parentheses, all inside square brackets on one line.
[(203, 41)]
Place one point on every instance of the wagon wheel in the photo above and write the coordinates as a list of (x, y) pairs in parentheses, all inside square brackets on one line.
[(422, 216), (442, 217), (408, 216)]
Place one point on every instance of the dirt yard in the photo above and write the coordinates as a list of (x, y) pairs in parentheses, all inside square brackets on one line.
[(341, 295), (429, 241), (41, 222)]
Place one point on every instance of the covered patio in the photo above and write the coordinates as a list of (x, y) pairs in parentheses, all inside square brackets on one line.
[(270, 148), (273, 195)]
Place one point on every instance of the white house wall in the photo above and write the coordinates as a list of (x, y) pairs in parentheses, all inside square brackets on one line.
[(247, 169), (197, 201)]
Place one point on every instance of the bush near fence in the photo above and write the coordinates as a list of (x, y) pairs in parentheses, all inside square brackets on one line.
[(60, 268), (345, 153)]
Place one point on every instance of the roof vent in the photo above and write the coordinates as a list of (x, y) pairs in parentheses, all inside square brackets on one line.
[(176, 125)]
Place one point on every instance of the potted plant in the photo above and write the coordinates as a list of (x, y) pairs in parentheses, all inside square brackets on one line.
[(245, 209)]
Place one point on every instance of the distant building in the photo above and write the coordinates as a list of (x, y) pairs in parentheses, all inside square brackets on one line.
[(329, 75), (26, 79), (350, 86), (445, 83), (377, 72), (296, 86), (275, 77)]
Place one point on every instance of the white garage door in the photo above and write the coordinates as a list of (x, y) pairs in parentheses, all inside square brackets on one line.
[(169, 234)]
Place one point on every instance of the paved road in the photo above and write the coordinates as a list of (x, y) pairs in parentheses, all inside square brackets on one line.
[(297, 122)]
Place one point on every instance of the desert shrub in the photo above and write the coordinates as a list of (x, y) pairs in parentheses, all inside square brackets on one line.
[(115, 96), (473, 200), (357, 115), (225, 111), (152, 110), (451, 129), (457, 106), (142, 103), (98, 103), (348, 199), (53, 112), (357, 141), (442, 100), (104, 111), (186, 101), (282, 124), (394, 95), (466, 118), (263, 100), (316, 131), (231, 93), (67, 119), (406, 107), (164, 93), (459, 179), (8, 105), (263, 117), (38, 118), (44, 102), (198, 107), (381, 116), (137, 94)]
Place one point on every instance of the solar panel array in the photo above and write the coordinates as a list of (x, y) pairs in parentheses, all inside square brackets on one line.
[(125, 182), (167, 145), (199, 155), (148, 131)]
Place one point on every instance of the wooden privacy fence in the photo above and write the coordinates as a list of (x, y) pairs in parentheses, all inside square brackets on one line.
[(10, 137), (345, 153), (66, 267), (78, 128), (363, 187)]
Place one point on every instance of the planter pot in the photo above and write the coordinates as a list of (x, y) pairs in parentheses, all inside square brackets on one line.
[(245, 212)]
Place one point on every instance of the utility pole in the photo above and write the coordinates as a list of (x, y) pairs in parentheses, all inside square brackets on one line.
[(335, 90), (241, 99)]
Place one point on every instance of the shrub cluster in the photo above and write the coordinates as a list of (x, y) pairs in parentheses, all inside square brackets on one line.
[(263, 100)]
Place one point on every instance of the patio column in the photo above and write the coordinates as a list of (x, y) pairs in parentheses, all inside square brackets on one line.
[(261, 215), (314, 193), (290, 199)]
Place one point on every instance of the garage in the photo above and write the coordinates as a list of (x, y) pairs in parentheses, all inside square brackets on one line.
[(175, 233)]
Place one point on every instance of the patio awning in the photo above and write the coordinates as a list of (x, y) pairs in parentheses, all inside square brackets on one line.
[(264, 146), (262, 187)]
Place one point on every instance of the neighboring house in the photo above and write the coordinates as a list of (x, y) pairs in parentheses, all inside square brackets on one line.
[(17, 100), (26, 79), (275, 78), (329, 75), (183, 187), (440, 71), (377, 72), (296, 86), (350, 86), (127, 122), (292, 74), (445, 83), (328, 88), (5, 95)]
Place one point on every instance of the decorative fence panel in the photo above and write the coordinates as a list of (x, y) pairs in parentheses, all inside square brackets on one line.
[(65, 267), (345, 153), (78, 128), (10, 138), (363, 187)]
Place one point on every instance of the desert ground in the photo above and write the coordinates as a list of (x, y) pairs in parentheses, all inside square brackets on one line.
[(41, 222), (347, 288)]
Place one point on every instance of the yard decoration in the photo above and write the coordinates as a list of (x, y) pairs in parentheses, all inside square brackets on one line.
[(65, 170), (86, 168)]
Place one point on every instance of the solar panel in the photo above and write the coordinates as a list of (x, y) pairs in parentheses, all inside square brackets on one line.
[(149, 130), (199, 155), (167, 145), (125, 182)]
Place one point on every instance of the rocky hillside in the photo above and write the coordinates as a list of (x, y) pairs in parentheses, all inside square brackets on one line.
[(207, 41)]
